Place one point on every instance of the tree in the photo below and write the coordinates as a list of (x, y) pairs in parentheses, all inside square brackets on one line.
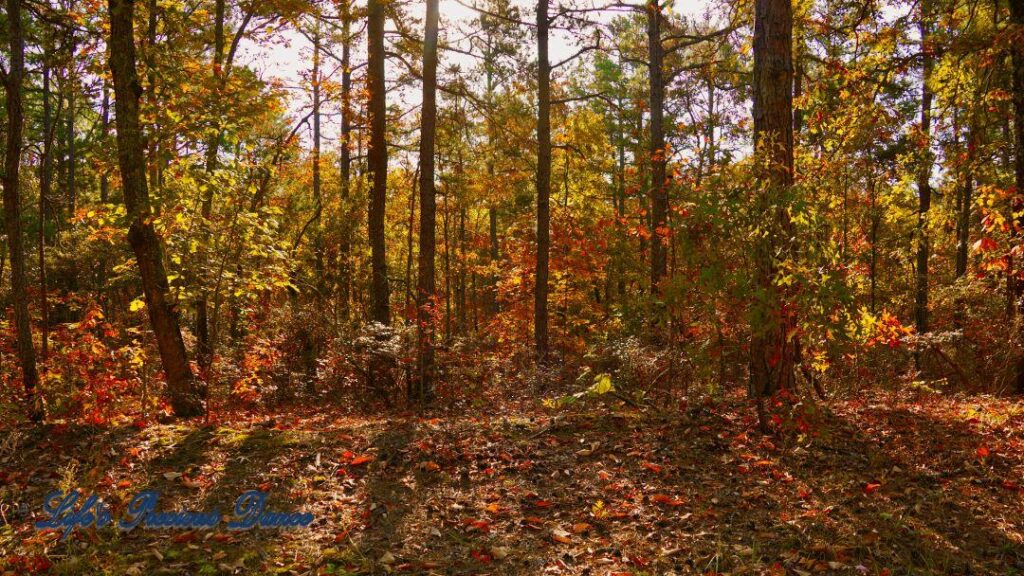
[(377, 162), (186, 395), (13, 85), (1017, 19), (345, 241), (657, 149), (772, 349), (924, 174), (543, 182), (425, 294)]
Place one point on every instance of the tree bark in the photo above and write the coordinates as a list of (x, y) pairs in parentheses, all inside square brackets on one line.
[(1017, 18), (772, 347), (963, 223), (924, 190), (425, 278), (318, 240), (45, 185), (185, 393), (657, 150), (344, 244), (377, 162), (204, 343), (72, 160), (540, 307), (12, 209), (105, 127)]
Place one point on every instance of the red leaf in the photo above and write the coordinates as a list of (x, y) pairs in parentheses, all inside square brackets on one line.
[(360, 460), (653, 467), (667, 500), (481, 556)]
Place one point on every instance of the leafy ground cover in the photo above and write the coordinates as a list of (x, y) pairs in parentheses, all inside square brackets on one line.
[(891, 483)]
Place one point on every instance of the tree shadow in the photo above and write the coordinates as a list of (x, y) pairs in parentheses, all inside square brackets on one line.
[(906, 493)]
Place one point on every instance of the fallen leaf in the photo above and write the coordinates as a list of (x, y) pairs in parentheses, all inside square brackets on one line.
[(559, 535), (653, 467)]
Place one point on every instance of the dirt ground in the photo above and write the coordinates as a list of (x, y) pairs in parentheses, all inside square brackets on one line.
[(883, 485)]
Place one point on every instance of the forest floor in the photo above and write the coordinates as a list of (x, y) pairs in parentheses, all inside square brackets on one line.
[(887, 484)]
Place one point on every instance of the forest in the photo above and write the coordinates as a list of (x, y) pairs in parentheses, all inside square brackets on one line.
[(586, 287)]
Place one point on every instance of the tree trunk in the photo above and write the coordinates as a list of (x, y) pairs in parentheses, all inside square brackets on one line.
[(72, 160), (204, 343), (45, 185), (924, 190), (410, 229), (105, 127), (318, 240), (772, 349), (12, 209), (344, 244), (377, 161), (1017, 18), (963, 223), (490, 57), (657, 150), (186, 394), (540, 307), (425, 297), (621, 246)]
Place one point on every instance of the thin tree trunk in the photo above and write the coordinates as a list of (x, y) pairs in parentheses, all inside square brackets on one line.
[(963, 223), (1017, 17), (72, 160), (773, 346), (460, 291), (410, 229), (344, 244), (318, 241), (105, 127), (492, 210), (186, 394), (204, 343), (425, 288), (620, 210), (876, 220), (45, 184), (445, 214), (377, 162), (12, 209), (540, 308), (924, 190), (657, 150)]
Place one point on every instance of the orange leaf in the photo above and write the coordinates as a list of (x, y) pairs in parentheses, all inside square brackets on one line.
[(581, 527), (667, 500), (653, 467)]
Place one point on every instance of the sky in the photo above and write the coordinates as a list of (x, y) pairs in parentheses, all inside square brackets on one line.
[(289, 58)]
